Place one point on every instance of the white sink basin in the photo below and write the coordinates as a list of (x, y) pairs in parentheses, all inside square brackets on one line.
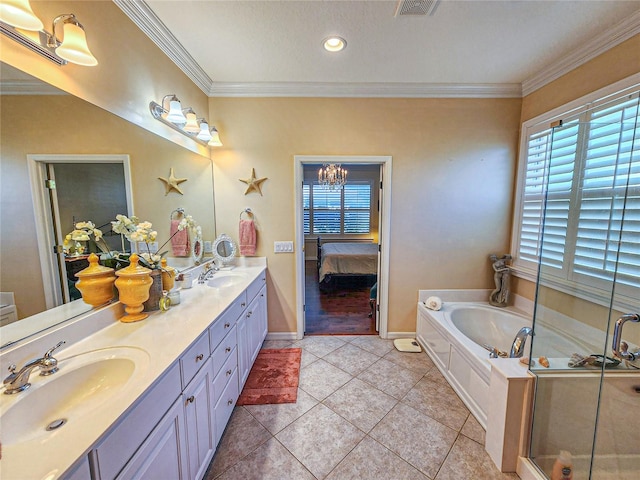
[(224, 280), (72, 395)]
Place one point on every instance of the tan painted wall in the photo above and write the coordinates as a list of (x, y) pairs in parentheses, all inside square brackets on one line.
[(453, 169), (65, 124)]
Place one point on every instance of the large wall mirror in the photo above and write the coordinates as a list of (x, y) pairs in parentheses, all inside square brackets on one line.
[(40, 122)]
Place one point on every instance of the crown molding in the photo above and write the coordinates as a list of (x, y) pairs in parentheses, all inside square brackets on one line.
[(599, 44), (28, 87), (140, 14), (360, 90)]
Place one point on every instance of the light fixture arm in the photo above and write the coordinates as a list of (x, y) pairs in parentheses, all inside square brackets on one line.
[(52, 38)]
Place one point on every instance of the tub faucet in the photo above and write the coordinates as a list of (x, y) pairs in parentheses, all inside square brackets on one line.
[(19, 381), (617, 337), (517, 348)]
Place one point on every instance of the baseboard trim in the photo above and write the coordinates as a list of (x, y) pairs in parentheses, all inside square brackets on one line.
[(282, 336), (394, 335)]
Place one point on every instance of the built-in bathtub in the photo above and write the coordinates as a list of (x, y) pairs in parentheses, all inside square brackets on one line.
[(453, 338)]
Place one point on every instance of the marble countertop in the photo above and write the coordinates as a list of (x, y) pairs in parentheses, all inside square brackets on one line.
[(164, 336)]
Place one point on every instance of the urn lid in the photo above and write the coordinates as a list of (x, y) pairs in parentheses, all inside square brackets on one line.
[(133, 268), (94, 268)]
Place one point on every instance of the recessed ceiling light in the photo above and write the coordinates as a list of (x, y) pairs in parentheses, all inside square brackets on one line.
[(334, 44)]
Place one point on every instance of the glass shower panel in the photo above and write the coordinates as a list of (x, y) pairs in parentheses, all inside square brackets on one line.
[(589, 275), (616, 452), (566, 327)]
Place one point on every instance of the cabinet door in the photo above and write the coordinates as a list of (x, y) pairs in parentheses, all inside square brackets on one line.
[(264, 319), (200, 421), (254, 329), (244, 349), (163, 454)]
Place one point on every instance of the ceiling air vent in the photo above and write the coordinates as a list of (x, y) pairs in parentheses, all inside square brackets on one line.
[(416, 7)]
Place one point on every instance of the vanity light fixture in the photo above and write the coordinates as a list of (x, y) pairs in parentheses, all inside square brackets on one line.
[(185, 121), (67, 43), (334, 44)]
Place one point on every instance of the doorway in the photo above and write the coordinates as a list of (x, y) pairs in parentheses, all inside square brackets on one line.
[(83, 187), (343, 305)]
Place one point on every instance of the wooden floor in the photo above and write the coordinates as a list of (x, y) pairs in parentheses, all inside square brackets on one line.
[(344, 311)]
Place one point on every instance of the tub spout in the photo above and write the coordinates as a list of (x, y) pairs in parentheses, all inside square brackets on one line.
[(517, 348)]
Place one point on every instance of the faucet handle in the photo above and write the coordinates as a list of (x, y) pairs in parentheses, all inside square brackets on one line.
[(49, 365), (51, 350), (12, 374)]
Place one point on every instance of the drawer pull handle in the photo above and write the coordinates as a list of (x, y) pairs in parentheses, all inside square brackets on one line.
[(228, 372), (200, 357), (227, 325), (228, 349), (191, 399), (243, 304), (249, 314), (230, 402)]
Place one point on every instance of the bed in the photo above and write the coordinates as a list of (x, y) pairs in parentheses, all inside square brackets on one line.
[(350, 260)]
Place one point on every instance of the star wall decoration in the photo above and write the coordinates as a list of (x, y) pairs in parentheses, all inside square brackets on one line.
[(172, 183), (253, 184)]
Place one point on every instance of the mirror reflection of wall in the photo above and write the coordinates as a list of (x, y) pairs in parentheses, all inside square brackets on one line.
[(63, 124)]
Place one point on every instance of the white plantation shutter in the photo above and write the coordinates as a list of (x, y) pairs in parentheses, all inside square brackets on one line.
[(611, 189), (357, 207), (588, 172), (347, 210)]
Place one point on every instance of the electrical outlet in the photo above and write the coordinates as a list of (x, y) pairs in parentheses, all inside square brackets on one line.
[(283, 247), (208, 246)]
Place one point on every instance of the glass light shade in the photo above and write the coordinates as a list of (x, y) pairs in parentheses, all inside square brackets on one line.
[(175, 114), (215, 138), (74, 47), (192, 124), (18, 13), (204, 134)]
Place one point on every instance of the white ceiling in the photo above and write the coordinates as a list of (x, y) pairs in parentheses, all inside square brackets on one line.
[(239, 47)]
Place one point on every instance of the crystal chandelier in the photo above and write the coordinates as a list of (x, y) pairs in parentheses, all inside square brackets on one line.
[(332, 176)]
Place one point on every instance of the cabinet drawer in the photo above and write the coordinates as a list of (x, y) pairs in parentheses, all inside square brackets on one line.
[(256, 285), (225, 405), (194, 358), (119, 445), (224, 375), (226, 321), (224, 350)]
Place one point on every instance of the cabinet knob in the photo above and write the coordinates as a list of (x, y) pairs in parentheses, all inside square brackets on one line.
[(227, 325), (200, 357), (191, 399), (262, 294), (228, 349), (230, 402), (228, 372)]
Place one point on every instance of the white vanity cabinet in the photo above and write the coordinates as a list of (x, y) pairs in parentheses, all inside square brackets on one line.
[(173, 430), (252, 328)]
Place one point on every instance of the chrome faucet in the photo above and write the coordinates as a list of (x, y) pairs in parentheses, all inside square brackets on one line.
[(19, 381), (620, 348), (517, 348), (208, 270)]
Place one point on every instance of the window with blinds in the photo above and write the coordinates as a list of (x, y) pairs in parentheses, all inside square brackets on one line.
[(343, 211), (579, 214)]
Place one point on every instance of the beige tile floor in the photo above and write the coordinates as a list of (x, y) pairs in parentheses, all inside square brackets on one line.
[(364, 411)]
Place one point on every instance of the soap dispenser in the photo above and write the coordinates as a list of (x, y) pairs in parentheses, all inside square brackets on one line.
[(563, 467)]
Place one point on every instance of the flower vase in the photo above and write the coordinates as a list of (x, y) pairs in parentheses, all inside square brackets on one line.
[(95, 282), (133, 285), (155, 292), (168, 275)]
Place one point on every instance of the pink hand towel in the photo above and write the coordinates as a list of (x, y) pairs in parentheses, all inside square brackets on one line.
[(179, 240), (247, 237)]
